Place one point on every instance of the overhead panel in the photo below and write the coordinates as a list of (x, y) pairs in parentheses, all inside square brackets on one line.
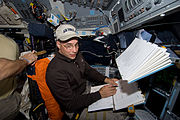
[(86, 17), (8, 17), (23, 8), (104, 4), (2, 21), (129, 14)]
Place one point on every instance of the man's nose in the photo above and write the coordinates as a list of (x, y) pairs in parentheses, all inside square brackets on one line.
[(75, 49)]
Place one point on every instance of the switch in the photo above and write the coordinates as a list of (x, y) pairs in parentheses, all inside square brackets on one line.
[(148, 6), (157, 1)]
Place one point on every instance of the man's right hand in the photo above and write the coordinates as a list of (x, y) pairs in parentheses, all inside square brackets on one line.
[(107, 91), (29, 58)]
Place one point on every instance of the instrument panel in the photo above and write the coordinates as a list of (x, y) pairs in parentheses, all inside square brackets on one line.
[(129, 14)]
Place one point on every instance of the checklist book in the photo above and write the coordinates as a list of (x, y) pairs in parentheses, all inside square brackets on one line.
[(142, 59), (122, 99)]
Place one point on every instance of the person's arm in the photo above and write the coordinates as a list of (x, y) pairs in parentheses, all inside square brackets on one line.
[(93, 75), (13, 67), (69, 100)]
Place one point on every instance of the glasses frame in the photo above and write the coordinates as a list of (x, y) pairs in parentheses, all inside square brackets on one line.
[(70, 46)]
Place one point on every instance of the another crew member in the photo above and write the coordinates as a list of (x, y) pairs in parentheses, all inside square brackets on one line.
[(10, 66)]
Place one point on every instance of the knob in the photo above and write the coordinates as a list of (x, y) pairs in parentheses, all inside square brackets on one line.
[(148, 6), (157, 1)]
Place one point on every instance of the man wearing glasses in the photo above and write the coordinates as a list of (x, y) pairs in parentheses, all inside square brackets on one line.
[(68, 72)]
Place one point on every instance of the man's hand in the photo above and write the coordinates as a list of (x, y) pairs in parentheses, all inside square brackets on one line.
[(29, 58), (111, 81), (107, 91)]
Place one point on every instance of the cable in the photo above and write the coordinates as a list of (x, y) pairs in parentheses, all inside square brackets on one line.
[(68, 19), (38, 10), (38, 106), (99, 28), (105, 16)]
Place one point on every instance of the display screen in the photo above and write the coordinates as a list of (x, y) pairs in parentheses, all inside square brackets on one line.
[(155, 103), (121, 15), (164, 79)]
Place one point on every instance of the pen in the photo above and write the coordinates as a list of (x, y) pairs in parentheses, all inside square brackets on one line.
[(115, 86)]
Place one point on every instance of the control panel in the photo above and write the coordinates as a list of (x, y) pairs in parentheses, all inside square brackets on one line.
[(129, 14), (89, 21), (86, 18)]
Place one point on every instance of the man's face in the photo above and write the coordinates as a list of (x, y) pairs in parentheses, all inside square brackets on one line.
[(68, 49)]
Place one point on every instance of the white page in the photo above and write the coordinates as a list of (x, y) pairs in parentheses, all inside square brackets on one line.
[(153, 49), (155, 55), (159, 67), (158, 62), (135, 98), (123, 100), (104, 103), (158, 57), (151, 63), (141, 58), (133, 57), (150, 70), (120, 99), (123, 60)]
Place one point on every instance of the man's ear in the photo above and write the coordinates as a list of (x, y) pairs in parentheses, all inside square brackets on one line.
[(58, 44)]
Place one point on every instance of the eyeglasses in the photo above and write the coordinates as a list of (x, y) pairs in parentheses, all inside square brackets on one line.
[(70, 46)]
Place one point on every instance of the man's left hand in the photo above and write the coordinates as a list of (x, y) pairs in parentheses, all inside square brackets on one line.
[(111, 81)]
